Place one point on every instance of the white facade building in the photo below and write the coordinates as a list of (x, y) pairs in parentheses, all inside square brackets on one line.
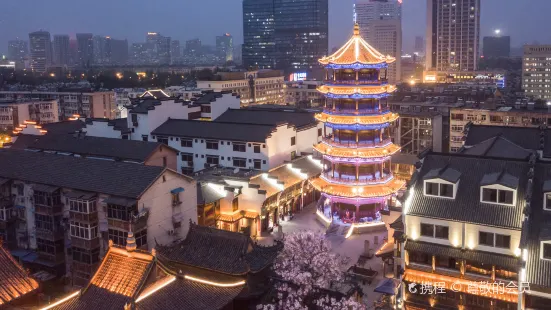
[(536, 71)]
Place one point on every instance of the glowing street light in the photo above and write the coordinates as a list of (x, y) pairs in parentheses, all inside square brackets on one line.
[(497, 31)]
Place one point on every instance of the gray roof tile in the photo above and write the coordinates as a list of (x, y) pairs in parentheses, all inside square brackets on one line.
[(90, 175), (299, 119)]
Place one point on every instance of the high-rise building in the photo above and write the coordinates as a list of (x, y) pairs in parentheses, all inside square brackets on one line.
[(283, 34), (380, 24), (85, 49), (73, 51), (119, 52), (61, 50), (224, 47), (366, 11), (41, 50), (175, 50), (193, 47), (158, 48), (101, 47), (495, 47), (453, 32), (139, 53), (536, 62), (419, 45), (17, 50)]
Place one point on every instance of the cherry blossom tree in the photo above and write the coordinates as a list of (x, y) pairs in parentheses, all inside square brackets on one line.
[(307, 269)]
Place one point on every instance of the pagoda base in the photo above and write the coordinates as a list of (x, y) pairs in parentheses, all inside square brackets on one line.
[(352, 211)]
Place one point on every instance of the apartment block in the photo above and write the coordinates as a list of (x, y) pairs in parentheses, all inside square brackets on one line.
[(13, 113), (536, 71)]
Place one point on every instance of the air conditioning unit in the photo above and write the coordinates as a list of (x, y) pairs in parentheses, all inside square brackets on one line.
[(171, 232)]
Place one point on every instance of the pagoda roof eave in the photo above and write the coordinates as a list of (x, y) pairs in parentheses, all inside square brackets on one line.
[(360, 120), (375, 152), (358, 89), (367, 191)]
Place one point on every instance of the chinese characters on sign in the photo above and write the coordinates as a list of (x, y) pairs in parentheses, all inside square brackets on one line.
[(476, 288)]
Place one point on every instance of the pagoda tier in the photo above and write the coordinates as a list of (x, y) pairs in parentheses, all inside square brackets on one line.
[(356, 181)]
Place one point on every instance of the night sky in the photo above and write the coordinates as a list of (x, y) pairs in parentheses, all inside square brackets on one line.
[(523, 20)]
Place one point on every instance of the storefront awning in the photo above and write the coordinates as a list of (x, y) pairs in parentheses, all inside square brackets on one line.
[(120, 201)]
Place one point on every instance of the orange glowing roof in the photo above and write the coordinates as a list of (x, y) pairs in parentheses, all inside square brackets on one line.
[(14, 280), (232, 217), (352, 120), (351, 90), (352, 191), (357, 153), (357, 50)]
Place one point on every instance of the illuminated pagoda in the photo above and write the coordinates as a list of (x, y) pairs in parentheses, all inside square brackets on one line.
[(357, 183)]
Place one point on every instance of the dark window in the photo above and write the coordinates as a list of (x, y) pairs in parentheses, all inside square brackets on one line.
[(134, 117), (164, 161), (117, 236), (257, 149), (264, 161), (503, 241), (187, 157), (239, 162), (427, 230), (162, 139), (446, 190), (85, 256), (119, 212), (441, 231), (489, 194), (212, 145), (547, 250), (205, 108), (485, 238), (293, 140), (212, 160), (548, 201), (20, 188), (505, 196), (141, 238), (320, 131), (83, 231), (257, 164), (239, 147), (175, 198), (431, 188), (82, 206), (235, 204), (196, 155), (186, 143), (458, 117), (51, 247), (144, 137), (43, 221), (46, 199), (187, 170)]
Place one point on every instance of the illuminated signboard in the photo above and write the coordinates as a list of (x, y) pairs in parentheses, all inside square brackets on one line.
[(300, 76)]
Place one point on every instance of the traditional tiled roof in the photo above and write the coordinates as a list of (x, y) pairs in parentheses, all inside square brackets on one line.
[(538, 271), (120, 124), (379, 190), (64, 127), (117, 149), (118, 281), (15, 283), (362, 120), (356, 50), (215, 130), (467, 207), (90, 175), (262, 116), (235, 216), (155, 93), (189, 295), (384, 151), (351, 90), (220, 251)]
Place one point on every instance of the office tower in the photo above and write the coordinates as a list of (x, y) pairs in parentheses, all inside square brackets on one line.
[(175, 50), (224, 47), (258, 34), (453, 32), (380, 24), (419, 45), (17, 50), (282, 34), (366, 11), (193, 47), (61, 49), (119, 52), (163, 48), (498, 46), (73, 52), (139, 53), (41, 50), (101, 47), (385, 35), (85, 49), (535, 64)]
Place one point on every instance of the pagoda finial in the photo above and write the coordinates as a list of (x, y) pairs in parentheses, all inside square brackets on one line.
[(130, 242), (356, 29)]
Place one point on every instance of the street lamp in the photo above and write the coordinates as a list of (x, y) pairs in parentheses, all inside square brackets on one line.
[(497, 31)]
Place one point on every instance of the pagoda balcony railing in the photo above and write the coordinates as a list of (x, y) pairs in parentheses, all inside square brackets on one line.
[(356, 82), (353, 144), (364, 179), (355, 112)]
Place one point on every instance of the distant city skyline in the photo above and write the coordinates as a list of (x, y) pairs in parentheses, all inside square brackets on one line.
[(209, 18)]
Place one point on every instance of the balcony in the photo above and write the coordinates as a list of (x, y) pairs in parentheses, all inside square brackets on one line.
[(55, 259), (362, 180), (356, 82), (353, 144), (89, 218), (49, 210), (138, 222), (84, 243), (47, 234)]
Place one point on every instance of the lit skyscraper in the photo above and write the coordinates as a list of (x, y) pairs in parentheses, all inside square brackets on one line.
[(85, 49), (158, 48), (61, 49), (17, 50), (41, 50), (453, 34), (224, 47), (175, 50), (380, 24), (285, 34)]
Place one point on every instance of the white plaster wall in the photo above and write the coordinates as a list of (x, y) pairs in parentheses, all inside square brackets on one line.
[(158, 200), (249, 199), (279, 145), (156, 117), (306, 139), (221, 105), (101, 129)]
